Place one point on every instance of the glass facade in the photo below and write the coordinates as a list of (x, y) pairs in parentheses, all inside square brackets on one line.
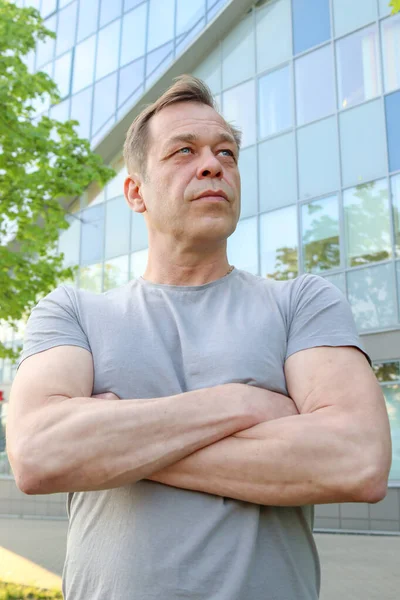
[(97, 39), (315, 87)]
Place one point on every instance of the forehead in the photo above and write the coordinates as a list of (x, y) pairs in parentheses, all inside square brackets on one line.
[(186, 117)]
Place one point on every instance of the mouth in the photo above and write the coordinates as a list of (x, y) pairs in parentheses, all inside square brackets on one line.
[(213, 196)]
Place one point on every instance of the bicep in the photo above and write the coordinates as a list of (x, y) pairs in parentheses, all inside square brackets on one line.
[(62, 371), (338, 377)]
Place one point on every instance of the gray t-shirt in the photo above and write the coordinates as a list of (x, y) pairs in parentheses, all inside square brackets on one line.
[(150, 541)]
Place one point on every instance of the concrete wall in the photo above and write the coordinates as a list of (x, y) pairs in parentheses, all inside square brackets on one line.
[(14, 502)]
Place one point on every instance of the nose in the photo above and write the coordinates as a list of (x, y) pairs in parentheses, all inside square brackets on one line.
[(209, 166)]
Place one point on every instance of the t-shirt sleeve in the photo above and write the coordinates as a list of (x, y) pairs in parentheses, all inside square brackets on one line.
[(53, 322), (320, 316)]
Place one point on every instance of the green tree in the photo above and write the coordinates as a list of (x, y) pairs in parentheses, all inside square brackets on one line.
[(43, 163), (395, 4)]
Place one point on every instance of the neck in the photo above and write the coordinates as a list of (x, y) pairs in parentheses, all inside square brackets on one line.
[(186, 274)]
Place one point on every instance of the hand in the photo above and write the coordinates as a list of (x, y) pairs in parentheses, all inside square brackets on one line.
[(106, 396)]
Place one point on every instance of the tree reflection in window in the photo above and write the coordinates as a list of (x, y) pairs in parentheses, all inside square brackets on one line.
[(367, 223), (320, 233)]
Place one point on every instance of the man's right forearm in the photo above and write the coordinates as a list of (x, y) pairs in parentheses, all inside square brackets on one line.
[(80, 444)]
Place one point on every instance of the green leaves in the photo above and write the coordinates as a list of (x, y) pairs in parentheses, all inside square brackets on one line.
[(395, 4), (42, 161)]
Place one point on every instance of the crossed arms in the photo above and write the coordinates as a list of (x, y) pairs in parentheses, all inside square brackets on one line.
[(328, 442)]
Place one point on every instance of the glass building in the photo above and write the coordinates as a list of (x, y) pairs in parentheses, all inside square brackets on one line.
[(315, 87)]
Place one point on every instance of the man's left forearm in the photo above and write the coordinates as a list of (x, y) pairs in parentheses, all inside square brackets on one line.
[(304, 459)]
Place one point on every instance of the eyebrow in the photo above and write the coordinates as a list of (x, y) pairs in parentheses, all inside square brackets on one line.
[(192, 138)]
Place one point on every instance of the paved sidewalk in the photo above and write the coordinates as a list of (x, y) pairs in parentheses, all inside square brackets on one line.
[(354, 567)]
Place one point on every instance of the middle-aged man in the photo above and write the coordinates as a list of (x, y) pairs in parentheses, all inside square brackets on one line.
[(196, 414)]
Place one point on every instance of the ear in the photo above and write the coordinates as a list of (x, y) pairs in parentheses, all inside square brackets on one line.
[(133, 193)]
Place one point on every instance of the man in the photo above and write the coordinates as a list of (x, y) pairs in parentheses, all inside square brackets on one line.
[(244, 401)]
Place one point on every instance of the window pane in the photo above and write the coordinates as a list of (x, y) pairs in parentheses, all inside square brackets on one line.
[(384, 8), (107, 49), (210, 70), (315, 91), (161, 23), (60, 111), (388, 371), (87, 24), (278, 173), (92, 234), (188, 13), (48, 6), (318, 153), (139, 236), (105, 96), (117, 227), (349, 16), (138, 263), (239, 105), (45, 49), (392, 397), (109, 11), (238, 60), (320, 235), (115, 187), (363, 143), (274, 34), (81, 110), (116, 272), (84, 64), (275, 102), (130, 78), (155, 59), (367, 223), (395, 188), (134, 46), (391, 52), (90, 278), (242, 246), (392, 104), (337, 279), (69, 242), (128, 4), (311, 23), (279, 244), (358, 67), (62, 74), (248, 175), (66, 28), (372, 296)]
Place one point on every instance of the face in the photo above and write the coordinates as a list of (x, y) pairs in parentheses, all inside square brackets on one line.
[(191, 153)]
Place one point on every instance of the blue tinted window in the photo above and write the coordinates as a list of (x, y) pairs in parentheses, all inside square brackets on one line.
[(105, 96), (393, 129), (66, 28), (81, 108), (109, 11), (130, 77), (87, 20), (311, 23), (275, 102), (92, 234)]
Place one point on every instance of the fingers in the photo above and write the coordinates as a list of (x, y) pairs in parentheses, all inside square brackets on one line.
[(106, 396)]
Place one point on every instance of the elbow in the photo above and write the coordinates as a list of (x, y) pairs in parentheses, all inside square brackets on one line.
[(371, 482), (27, 478)]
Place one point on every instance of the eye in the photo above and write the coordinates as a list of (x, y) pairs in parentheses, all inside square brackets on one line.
[(230, 153), (182, 150)]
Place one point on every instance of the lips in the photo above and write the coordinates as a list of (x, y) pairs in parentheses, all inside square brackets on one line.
[(213, 193)]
